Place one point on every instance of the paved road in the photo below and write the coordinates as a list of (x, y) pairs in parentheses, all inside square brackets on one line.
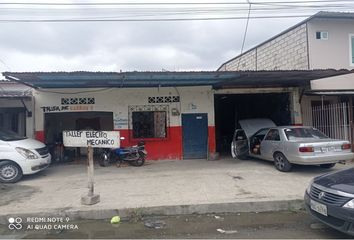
[(159, 183), (237, 225)]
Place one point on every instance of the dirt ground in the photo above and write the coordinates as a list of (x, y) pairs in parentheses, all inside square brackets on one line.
[(267, 225)]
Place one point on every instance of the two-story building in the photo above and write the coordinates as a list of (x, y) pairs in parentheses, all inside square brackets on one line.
[(322, 41)]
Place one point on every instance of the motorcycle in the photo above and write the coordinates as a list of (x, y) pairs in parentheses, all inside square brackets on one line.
[(134, 155)]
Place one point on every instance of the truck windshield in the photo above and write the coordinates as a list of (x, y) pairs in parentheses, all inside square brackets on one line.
[(295, 133), (6, 135)]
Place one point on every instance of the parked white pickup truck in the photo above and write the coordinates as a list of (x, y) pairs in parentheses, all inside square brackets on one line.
[(20, 156)]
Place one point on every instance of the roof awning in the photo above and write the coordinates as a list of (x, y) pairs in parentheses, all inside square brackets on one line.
[(216, 79), (330, 92)]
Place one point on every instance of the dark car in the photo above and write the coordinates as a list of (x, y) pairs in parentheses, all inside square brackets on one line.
[(330, 199)]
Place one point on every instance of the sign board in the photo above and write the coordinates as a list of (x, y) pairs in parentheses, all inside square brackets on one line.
[(95, 139)]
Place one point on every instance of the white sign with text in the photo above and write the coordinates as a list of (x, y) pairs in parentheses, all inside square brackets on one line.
[(95, 139)]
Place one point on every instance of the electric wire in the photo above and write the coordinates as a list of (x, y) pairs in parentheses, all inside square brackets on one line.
[(161, 11), (245, 33), (161, 3), (149, 19)]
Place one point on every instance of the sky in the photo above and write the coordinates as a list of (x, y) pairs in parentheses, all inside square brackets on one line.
[(142, 45)]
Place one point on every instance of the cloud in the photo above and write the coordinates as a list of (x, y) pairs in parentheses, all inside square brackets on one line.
[(128, 46)]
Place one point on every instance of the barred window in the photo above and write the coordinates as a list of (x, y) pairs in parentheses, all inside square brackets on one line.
[(149, 124)]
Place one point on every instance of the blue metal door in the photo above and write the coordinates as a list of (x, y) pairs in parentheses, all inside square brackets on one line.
[(195, 135)]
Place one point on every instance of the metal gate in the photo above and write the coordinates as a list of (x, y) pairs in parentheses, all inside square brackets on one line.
[(332, 119)]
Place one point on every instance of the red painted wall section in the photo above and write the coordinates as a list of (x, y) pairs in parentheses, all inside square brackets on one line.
[(211, 139), (169, 148), (39, 135)]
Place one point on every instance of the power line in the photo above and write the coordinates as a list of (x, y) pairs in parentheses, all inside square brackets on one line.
[(141, 13), (259, 7), (163, 3), (146, 19), (245, 33)]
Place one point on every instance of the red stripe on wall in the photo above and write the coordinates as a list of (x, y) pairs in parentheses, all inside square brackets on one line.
[(169, 148), (39, 135), (211, 139)]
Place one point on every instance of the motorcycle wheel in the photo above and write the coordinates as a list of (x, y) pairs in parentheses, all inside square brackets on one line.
[(139, 162), (104, 160)]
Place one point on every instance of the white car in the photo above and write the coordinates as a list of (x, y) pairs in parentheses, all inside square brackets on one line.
[(21, 156)]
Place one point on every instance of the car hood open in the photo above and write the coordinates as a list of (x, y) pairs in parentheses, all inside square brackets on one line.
[(341, 180), (251, 126)]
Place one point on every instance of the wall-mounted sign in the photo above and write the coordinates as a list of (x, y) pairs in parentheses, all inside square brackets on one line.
[(96, 139), (120, 121), (48, 109)]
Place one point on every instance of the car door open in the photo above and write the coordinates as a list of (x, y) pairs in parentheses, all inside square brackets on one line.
[(239, 145)]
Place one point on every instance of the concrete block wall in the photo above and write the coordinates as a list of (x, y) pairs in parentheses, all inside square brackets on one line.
[(248, 61), (285, 52)]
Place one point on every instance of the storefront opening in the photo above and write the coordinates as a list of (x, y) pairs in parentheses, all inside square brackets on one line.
[(56, 123), (230, 108)]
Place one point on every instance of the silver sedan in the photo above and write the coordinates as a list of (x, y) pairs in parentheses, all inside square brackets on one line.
[(291, 145)]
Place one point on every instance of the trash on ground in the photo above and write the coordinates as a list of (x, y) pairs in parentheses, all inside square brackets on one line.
[(226, 231), (218, 217), (156, 224), (115, 220), (317, 226), (237, 178)]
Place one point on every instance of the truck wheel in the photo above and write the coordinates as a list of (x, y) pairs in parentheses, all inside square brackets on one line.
[(10, 172), (328, 165), (281, 163)]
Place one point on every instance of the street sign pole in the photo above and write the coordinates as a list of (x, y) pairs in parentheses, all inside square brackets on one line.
[(91, 198), (91, 139)]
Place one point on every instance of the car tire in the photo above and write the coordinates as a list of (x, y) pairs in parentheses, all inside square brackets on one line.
[(281, 163), (328, 165), (10, 172), (242, 157), (105, 159)]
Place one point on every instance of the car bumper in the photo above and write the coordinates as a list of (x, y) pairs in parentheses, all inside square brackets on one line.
[(314, 160), (338, 218), (35, 165)]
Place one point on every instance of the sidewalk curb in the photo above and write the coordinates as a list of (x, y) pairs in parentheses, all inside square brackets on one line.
[(235, 207)]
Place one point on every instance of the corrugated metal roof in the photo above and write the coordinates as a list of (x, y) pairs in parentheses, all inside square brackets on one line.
[(15, 94), (10, 89), (170, 79), (330, 92)]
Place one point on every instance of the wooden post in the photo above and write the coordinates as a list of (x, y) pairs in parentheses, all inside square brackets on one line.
[(91, 197), (90, 170), (83, 138)]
